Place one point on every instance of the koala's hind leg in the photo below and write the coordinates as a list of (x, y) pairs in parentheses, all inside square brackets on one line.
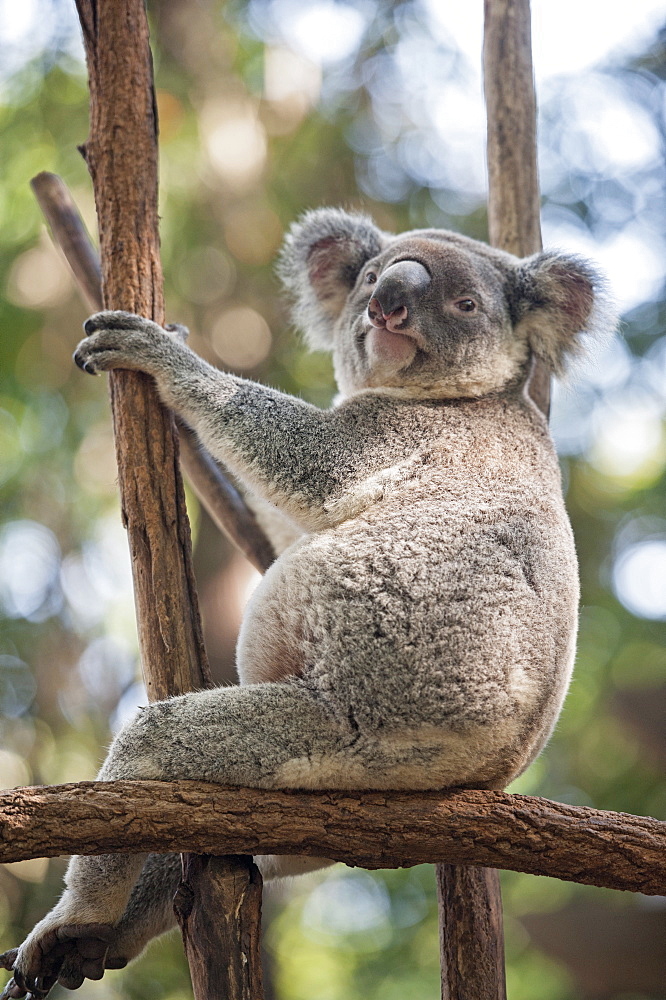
[(262, 735), (149, 911)]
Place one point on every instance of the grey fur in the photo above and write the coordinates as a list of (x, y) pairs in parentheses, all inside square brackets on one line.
[(418, 629)]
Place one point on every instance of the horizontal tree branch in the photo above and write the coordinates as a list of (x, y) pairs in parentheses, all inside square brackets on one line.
[(369, 829)]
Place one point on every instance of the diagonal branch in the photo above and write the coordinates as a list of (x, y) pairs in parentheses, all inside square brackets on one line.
[(209, 480), (373, 829)]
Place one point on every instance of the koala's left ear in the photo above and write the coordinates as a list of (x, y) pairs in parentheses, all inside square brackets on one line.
[(559, 297), (320, 262)]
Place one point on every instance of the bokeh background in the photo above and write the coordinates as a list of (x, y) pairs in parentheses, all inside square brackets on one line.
[(267, 108)]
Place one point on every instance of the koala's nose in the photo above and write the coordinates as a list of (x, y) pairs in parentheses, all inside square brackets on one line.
[(397, 292)]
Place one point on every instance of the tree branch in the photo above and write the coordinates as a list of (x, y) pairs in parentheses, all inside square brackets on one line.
[(70, 234), (372, 829), (223, 501), (471, 933)]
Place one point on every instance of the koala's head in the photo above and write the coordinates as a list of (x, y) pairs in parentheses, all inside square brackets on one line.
[(431, 313)]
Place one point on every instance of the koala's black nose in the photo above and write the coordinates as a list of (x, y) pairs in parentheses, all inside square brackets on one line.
[(398, 291)]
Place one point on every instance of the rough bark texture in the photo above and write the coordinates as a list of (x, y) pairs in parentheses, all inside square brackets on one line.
[(514, 222), (121, 154), (220, 915), (371, 829), (471, 933)]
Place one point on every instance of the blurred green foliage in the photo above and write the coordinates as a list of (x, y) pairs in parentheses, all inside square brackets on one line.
[(256, 128)]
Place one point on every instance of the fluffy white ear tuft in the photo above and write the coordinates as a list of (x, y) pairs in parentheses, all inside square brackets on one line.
[(559, 297), (320, 261)]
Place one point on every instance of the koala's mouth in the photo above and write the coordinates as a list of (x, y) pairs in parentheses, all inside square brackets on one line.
[(391, 349)]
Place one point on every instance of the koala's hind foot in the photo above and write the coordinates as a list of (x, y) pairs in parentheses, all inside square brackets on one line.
[(70, 953), (64, 953), (75, 940)]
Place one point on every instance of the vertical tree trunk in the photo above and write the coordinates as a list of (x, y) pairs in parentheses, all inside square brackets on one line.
[(121, 154), (471, 934), (219, 914), (514, 221), (470, 902)]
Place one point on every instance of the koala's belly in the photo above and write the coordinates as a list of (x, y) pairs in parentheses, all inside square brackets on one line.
[(407, 619)]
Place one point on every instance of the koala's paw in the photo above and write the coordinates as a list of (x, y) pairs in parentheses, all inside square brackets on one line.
[(65, 954), (123, 340)]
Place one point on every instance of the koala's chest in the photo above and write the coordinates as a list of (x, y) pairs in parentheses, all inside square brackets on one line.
[(440, 475), (401, 481)]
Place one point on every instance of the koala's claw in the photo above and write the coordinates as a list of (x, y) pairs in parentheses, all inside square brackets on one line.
[(12, 991), (85, 364), (117, 319), (67, 954), (16, 988)]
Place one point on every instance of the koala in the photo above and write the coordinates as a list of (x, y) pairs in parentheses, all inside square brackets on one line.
[(418, 628)]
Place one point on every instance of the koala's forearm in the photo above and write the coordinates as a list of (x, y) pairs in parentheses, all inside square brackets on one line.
[(284, 448)]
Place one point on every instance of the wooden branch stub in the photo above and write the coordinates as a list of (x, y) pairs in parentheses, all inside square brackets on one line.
[(471, 933), (218, 907), (121, 153), (371, 829), (64, 219)]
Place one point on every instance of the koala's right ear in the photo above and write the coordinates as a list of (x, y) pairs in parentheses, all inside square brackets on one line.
[(319, 264), (557, 298)]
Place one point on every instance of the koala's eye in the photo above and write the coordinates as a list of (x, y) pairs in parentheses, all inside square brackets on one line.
[(465, 305), (370, 278)]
